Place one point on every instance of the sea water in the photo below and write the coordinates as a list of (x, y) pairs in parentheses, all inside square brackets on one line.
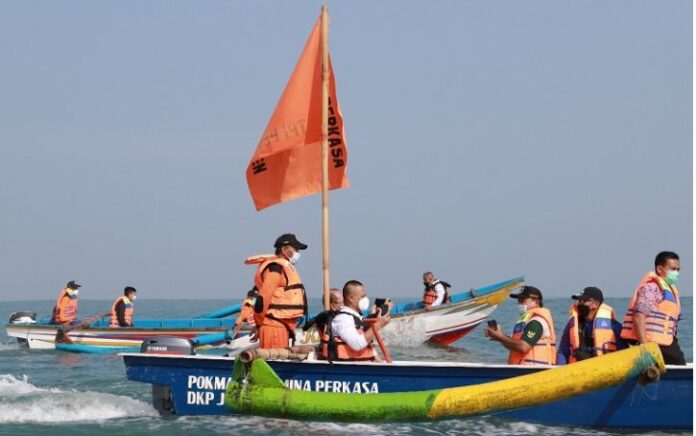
[(52, 392)]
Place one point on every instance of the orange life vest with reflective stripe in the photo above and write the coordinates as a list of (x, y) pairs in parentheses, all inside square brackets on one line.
[(544, 351), (334, 348), (289, 300), (660, 324), (127, 314), (603, 335), (65, 309)]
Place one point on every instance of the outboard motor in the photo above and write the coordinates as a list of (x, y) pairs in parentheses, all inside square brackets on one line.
[(22, 318), (167, 345)]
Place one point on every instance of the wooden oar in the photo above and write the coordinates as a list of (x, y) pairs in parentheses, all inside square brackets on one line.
[(62, 332), (378, 337)]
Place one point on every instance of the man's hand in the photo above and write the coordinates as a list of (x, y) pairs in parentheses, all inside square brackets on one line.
[(382, 321), (493, 334)]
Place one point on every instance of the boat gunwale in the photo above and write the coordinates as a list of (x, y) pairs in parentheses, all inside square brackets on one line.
[(400, 363)]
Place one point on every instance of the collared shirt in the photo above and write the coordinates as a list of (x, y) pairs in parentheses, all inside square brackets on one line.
[(343, 325), (649, 296), (440, 289)]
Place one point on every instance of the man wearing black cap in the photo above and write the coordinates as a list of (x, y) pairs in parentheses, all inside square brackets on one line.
[(65, 310), (533, 340), (281, 300), (592, 329), (122, 309)]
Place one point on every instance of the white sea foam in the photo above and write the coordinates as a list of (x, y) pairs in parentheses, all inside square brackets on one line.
[(9, 347), (23, 402), (409, 332)]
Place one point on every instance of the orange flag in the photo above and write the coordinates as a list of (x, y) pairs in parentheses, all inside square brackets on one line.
[(287, 161)]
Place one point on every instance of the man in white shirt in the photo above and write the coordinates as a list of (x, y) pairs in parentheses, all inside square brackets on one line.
[(435, 292), (351, 338)]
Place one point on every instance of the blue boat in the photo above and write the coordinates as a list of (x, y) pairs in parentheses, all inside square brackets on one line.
[(195, 385), (443, 324)]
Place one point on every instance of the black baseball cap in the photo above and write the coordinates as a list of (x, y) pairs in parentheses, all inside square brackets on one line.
[(589, 293), (72, 285), (291, 240), (528, 291)]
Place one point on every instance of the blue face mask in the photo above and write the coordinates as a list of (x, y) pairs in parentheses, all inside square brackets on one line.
[(672, 277)]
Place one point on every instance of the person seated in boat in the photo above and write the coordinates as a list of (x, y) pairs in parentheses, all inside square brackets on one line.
[(533, 340), (592, 329), (349, 338), (435, 292), (282, 300), (65, 310), (122, 309), (246, 314), (322, 320), (655, 309)]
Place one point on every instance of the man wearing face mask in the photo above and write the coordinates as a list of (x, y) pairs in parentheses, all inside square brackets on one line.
[(533, 340), (122, 309), (65, 310), (592, 329), (351, 339), (281, 300), (246, 314), (655, 308)]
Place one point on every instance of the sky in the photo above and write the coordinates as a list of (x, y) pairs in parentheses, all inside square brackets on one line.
[(486, 139)]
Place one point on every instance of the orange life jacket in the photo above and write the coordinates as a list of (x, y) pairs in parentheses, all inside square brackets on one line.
[(334, 348), (660, 324), (65, 309), (289, 300), (430, 294), (127, 314), (247, 313), (544, 351), (602, 332), (326, 349)]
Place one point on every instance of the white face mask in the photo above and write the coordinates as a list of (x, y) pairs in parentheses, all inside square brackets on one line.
[(295, 257), (75, 292), (133, 298), (522, 308), (364, 304)]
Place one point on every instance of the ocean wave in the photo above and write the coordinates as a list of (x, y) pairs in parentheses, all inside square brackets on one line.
[(23, 402)]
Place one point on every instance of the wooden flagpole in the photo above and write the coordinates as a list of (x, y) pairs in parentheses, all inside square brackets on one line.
[(325, 150)]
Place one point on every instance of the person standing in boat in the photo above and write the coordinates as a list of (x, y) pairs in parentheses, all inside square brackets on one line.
[(122, 309), (282, 299), (533, 340), (65, 310), (246, 314), (435, 292), (654, 310), (592, 329), (350, 339)]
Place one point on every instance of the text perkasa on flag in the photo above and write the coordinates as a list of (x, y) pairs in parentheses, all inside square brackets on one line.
[(287, 161)]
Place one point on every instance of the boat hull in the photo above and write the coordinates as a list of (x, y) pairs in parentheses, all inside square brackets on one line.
[(195, 385), (40, 336)]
